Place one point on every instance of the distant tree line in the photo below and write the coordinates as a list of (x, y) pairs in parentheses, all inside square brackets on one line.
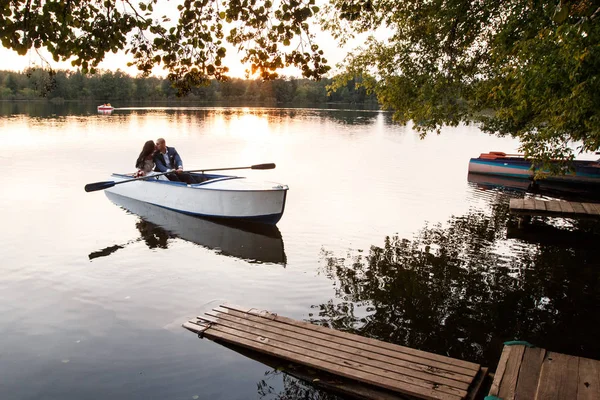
[(108, 86)]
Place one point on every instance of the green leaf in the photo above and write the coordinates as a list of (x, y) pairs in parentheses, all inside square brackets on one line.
[(561, 13)]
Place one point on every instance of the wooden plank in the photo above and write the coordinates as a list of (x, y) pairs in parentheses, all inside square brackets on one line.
[(338, 351), (540, 205), (529, 204), (289, 353), (428, 380), (566, 207), (578, 208), (595, 206), (354, 341), (207, 319), (530, 372), (358, 339), (558, 377), (515, 204), (342, 346), (193, 327), (331, 334), (588, 385), (553, 206), (323, 380), (508, 386), (495, 388), (589, 208)]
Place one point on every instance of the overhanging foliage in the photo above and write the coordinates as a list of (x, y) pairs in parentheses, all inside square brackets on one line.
[(270, 36), (525, 68)]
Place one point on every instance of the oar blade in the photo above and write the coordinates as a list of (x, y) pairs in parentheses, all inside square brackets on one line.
[(263, 166), (92, 187)]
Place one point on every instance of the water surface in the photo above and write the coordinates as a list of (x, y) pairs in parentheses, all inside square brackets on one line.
[(383, 235)]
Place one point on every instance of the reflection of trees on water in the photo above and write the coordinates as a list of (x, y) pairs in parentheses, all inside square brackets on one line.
[(463, 288), (293, 388), (345, 115), (41, 109)]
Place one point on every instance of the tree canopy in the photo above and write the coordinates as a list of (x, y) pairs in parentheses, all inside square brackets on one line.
[(270, 35), (525, 68)]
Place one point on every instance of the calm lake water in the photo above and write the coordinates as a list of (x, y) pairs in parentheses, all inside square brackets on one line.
[(383, 235)]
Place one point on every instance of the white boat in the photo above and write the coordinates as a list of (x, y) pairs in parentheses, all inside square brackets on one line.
[(256, 243), (219, 196), (105, 108)]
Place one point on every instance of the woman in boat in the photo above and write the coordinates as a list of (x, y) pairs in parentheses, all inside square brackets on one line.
[(145, 161)]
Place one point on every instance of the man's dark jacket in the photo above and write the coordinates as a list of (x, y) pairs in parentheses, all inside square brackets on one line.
[(159, 161)]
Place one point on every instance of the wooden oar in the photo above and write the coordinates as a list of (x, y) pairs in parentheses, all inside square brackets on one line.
[(92, 187)]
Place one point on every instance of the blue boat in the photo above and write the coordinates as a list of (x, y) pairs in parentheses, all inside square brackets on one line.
[(514, 166)]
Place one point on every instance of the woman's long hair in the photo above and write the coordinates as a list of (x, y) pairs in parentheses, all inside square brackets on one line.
[(146, 151)]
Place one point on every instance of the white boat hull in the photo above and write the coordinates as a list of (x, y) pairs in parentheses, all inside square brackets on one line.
[(225, 197)]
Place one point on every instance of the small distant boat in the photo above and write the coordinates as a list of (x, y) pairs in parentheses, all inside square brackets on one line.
[(516, 166), (218, 196), (105, 108)]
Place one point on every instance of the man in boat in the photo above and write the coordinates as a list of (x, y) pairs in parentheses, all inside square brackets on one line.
[(167, 159)]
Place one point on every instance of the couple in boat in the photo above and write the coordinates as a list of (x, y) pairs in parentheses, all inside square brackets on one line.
[(157, 158)]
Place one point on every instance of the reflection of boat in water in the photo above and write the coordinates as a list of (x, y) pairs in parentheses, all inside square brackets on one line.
[(491, 182), (258, 243), (507, 165), (543, 187)]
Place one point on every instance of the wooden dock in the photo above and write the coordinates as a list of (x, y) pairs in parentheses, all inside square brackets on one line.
[(537, 374), (554, 208), (371, 368)]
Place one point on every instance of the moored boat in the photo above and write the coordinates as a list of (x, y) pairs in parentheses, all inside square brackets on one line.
[(508, 165), (218, 196)]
